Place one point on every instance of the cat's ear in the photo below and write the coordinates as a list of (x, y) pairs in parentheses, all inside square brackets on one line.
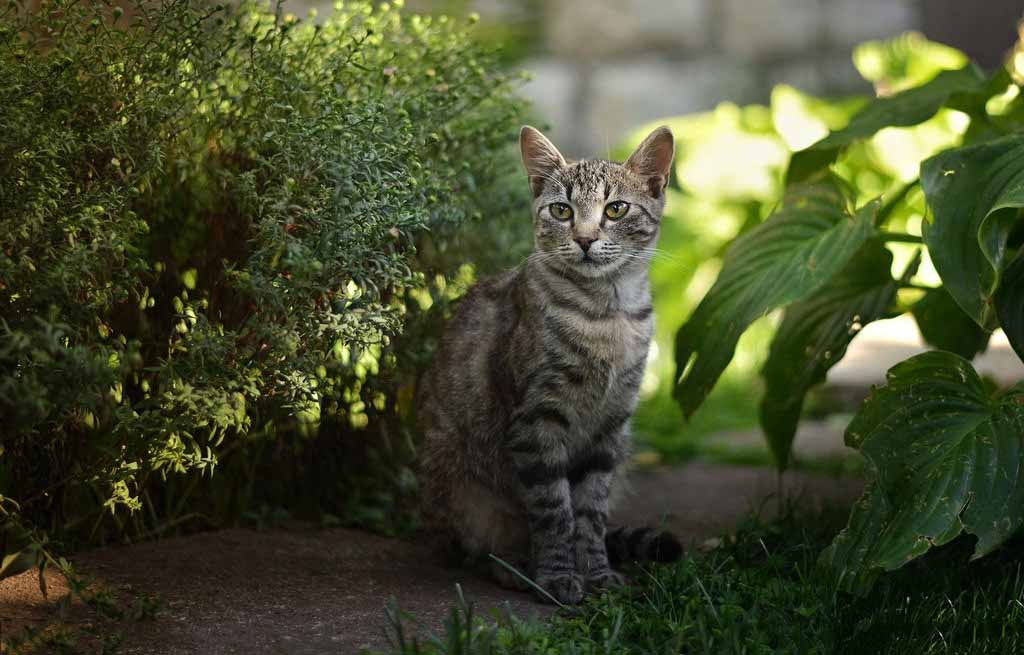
[(540, 157), (652, 159)]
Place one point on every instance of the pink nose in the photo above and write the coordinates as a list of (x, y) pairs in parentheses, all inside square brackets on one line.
[(585, 242)]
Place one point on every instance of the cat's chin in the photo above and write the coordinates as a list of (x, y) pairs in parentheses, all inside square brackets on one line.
[(591, 268)]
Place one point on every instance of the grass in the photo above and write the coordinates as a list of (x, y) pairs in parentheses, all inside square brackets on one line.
[(658, 424), (760, 592)]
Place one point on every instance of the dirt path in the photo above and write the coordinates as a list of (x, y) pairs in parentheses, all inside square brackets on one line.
[(320, 592)]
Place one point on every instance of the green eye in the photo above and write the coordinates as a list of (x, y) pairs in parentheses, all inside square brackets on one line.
[(561, 211), (616, 209)]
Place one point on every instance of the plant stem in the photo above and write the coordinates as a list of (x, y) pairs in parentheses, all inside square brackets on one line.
[(894, 201), (920, 287), (899, 237)]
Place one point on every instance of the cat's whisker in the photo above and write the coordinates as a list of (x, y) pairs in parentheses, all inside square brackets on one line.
[(662, 254)]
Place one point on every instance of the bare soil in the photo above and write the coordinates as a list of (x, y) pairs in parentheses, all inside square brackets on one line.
[(322, 591)]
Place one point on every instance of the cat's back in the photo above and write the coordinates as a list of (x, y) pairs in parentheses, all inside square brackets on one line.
[(467, 372)]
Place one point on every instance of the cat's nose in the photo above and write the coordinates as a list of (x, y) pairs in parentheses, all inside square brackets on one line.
[(585, 242)]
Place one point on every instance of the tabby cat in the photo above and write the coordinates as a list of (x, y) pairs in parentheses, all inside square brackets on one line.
[(525, 409)]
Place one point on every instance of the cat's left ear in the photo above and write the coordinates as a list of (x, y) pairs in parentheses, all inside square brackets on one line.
[(652, 159), (540, 157)]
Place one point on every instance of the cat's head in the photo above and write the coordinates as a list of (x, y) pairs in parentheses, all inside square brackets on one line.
[(597, 217)]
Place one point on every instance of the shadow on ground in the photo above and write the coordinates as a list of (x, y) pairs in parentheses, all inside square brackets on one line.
[(319, 592)]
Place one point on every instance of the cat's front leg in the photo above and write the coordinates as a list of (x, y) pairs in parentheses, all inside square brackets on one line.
[(536, 445), (590, 508)]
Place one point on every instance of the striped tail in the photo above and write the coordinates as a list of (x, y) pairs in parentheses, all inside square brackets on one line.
[(641, 545)]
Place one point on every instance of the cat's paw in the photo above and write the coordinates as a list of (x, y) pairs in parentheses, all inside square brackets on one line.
[(606, 579), (564, 586)]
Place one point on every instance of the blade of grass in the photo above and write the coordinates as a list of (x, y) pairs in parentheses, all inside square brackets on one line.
[(536, 587)]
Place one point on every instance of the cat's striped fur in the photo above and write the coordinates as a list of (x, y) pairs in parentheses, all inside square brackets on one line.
[(526, 407)]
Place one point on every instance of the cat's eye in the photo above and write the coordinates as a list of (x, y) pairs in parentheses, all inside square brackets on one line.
[(560, 210), (616, 209)]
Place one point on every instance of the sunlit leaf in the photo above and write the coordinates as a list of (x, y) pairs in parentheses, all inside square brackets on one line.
[(801, 119), (708, 144), (792, 254), (903, 62), (814, 335), (974, 194), (943, 456), (901, 110)]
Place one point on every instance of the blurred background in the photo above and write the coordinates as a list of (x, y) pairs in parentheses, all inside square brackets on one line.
[(743, 84), (601, 67), (241, 257)]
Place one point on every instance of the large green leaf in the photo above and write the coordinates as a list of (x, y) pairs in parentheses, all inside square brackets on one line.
[(943, 456), (974, 194), (945, 326), (849, 556), (1010, 304), (904, 109), (792, 254), (814, 335)]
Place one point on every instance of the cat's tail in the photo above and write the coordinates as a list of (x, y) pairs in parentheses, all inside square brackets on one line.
[(642, 545)]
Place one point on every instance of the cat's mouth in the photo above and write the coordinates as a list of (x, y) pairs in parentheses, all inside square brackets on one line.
[(590, 265)]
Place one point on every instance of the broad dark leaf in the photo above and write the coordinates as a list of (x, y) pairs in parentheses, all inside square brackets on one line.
[(1010, 304), (814, 335), (849, 557), (974, 195), (945, 326), (792, 254), (943, 456), (904, 109)]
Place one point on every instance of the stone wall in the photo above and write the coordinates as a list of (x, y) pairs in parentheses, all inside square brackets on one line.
[(604, 66), (601, 67)]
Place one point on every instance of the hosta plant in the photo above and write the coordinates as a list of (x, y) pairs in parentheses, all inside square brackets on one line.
[(847, 245)]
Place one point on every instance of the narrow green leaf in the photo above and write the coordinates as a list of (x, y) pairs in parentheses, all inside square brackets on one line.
[(944, 326), (1010, 304), (792, 254), (814, 335), (974, 194), (904, 109), (18, 562), (943, 456)]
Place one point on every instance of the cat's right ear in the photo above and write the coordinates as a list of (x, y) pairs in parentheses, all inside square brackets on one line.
[(540, 157), (652, 159)]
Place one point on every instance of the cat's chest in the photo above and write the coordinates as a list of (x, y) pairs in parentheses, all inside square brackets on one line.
[(613, 342), (609, 382)]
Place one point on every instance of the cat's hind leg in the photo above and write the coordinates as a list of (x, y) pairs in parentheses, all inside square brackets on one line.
[(488, 523)]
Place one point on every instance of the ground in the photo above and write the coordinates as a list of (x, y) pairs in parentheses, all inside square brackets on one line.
[(311, 591), (319, 591)]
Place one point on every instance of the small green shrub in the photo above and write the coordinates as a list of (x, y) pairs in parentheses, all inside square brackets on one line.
[(943, 147), (215, 220)]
